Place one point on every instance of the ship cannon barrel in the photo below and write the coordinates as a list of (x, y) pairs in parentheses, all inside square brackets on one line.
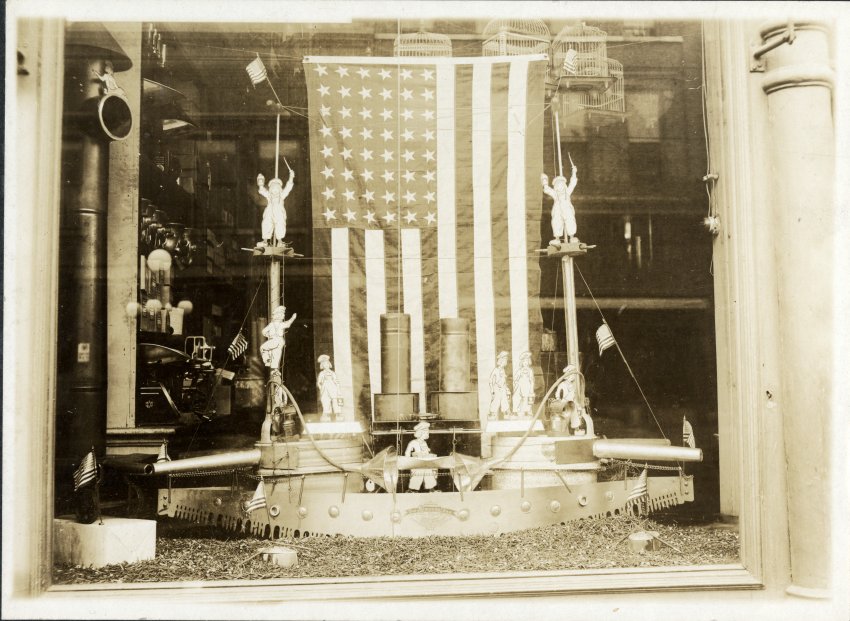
[(233, 459), (650, 452)]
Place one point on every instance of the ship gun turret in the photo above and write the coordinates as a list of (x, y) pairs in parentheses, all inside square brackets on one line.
[(232, 459), (644, 451)]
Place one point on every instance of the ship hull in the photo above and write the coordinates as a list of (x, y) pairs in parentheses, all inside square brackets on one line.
[(293, 511)]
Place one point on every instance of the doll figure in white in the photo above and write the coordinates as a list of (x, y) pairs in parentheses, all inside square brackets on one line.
[(499, 391), (328, 386), (566, 392), (274, 215), (563, 212), (523, 387), (110, 86), (418, 447), (272, 350)]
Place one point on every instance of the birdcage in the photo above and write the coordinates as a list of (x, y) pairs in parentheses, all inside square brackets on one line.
[(586, 78), (422, 43), (589, 55), (514, 37)]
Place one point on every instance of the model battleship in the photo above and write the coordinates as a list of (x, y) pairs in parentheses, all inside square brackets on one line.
[(531, 472), (528, 467)]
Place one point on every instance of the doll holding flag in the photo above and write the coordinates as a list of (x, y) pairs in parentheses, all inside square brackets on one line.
[(563, 212), (274, 215)]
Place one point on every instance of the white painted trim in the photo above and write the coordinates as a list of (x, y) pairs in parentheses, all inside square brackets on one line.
[(30, 290)]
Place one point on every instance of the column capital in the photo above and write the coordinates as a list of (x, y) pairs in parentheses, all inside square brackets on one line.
[(802, 60)]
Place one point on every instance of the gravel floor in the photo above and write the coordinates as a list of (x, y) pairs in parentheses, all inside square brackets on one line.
[(192, 552)]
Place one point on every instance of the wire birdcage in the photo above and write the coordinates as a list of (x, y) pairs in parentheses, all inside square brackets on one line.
[(422, 43), (581, 65), (591, 49), (514, 37)]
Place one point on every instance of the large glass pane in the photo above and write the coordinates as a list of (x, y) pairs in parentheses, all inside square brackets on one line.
[(402, 320)]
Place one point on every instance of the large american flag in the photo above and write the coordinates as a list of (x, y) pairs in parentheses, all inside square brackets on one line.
[(427, 201)]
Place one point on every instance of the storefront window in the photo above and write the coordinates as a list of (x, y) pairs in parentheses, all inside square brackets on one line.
[(413, 252)]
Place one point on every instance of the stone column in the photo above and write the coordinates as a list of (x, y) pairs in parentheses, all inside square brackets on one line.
[(798, 83)]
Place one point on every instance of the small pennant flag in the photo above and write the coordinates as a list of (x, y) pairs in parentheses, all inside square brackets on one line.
[(87, 472), (259, 499), (257, 71), (604, 338), (688, 434), (238, 346), (570, 62), (639, 490)]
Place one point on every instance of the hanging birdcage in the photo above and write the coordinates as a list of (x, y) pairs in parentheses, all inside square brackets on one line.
[(589, 54), (422, 43), (514, 37), (583, 74)]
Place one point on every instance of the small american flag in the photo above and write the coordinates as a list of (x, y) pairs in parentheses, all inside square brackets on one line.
[(570, 62), (238, 346), (87, 472), (688, 434), (604, 338), (639, 490), (259, 499), (257, 71)]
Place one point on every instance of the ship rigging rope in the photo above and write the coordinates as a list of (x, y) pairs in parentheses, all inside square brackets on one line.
[(622, 355), (310, 435)]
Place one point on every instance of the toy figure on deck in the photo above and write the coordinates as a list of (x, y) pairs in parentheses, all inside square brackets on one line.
[(272, 350), (328, 386), (563, 212), (566, 392), (274, 215), (499, 392), (418, 447), (523, 387)]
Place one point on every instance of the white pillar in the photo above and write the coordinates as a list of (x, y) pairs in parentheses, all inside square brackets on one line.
[(798, 83), (122, 243)]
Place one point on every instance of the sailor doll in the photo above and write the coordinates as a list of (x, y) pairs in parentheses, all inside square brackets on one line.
[(563, 212), (328, 386), (274, 215), (523, 387), (418, 447), (499, 392), (272, 350)]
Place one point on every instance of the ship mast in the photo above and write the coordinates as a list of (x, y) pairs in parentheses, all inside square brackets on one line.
[(276, 401)]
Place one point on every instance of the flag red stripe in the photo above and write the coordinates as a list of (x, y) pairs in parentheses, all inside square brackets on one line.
[(392, 270), (430, 309), (535, 111), (322, 293), (359, 335), (463, 201)]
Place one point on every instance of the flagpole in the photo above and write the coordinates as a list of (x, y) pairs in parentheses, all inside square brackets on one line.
[(558, 144), (274, 91), (276, 145)]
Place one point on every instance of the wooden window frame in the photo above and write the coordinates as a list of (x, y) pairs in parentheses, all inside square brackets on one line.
[(751, 464)]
